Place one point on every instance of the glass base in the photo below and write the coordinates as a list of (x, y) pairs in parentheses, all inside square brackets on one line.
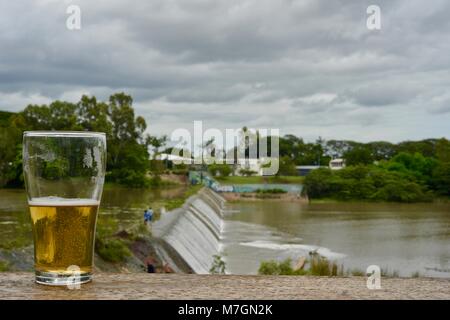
[(62, 279)]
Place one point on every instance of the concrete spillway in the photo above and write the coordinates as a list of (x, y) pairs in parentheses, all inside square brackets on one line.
[(194, 230)]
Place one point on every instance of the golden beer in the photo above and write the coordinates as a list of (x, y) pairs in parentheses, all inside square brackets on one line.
[(64, 234)]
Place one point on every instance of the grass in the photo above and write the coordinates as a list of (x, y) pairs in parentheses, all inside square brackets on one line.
[(284, 267), (260, 180), (357, 273), (317, 266), (175, 203), (389, 274), (320, 266)]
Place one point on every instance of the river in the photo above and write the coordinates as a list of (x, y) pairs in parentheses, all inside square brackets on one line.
[(405, 238)]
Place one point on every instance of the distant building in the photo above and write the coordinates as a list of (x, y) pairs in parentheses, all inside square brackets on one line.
[(337, 164), (174, 158)]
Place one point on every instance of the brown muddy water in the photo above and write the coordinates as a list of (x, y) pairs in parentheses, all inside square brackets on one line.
[(406, 238)]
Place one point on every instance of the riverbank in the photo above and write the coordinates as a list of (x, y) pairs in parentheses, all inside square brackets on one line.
[(255, 196), (260, 180), (438, 200)]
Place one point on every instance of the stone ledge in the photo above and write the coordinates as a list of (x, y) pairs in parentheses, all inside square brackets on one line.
[(190, 286)]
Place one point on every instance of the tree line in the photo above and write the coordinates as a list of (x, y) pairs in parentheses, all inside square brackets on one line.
[(127, 151), (380, 170), (410, 171)]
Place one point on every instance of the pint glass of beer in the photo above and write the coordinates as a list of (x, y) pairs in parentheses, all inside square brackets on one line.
[(64, 172)]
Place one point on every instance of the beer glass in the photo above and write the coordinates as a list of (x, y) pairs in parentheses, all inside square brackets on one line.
[(64, 172)]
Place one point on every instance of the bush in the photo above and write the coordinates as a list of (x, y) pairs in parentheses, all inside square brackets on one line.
[(273, 267), (128, 177), (321, 266), (318, 266), (112, 250), (400, 191), (441, 178), (247, 172), (318, 183), (155, 181), (286, 167), (180, 169), (222, 170), (365, 183), (218, 266)]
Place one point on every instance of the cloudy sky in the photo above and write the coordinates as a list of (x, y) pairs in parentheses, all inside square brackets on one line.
[(307, 67)]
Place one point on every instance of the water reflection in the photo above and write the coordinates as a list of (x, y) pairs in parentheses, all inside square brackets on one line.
[(124, 204)]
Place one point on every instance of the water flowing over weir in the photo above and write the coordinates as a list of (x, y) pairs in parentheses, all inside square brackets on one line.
[(194, 230)]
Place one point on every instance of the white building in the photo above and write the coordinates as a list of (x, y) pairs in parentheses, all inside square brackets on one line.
[(337, 164), (174, 158)]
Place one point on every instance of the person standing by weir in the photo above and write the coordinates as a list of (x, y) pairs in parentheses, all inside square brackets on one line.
[(148, 215), (150, 264)]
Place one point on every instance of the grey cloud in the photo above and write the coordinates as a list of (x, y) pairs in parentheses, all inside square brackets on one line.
[(383, 94), (237, 62)]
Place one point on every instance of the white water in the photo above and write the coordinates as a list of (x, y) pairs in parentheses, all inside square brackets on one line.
[(194, 231), (324, 252)]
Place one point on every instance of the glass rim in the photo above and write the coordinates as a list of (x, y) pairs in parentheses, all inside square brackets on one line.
[(43, 133)]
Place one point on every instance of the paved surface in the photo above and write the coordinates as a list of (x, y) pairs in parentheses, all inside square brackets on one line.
[(187, 286)]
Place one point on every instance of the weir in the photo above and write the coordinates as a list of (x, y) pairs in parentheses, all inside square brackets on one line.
[(194, 230)]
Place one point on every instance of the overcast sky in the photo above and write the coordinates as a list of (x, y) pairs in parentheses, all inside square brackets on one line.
[(307, 67)]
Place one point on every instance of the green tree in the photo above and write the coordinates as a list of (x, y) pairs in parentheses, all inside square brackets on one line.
[(441, 178), (286, 167), (317, 183), (382, 150), (222, 170), (127, 155), (427, 147), (360, 154), (443, 150), (93, 115)]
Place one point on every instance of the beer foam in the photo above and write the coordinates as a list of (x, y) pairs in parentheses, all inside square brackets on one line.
[(62, 202)]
